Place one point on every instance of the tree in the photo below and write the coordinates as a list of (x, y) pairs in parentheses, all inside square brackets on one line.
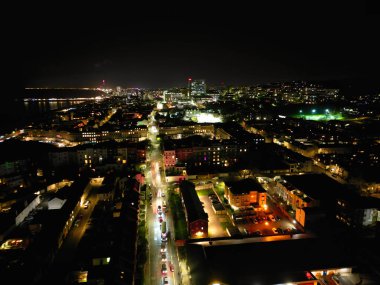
[(244, 173)]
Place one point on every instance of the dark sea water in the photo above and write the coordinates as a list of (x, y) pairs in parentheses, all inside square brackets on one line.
[(17, 113)]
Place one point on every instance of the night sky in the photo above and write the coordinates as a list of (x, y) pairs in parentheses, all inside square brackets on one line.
[(162, 46)]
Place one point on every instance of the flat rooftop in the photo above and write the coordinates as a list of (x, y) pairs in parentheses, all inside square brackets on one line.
[(263, 263), (244, 186)]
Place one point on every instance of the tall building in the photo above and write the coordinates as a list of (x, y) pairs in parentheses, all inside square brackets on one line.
[(198, 87)]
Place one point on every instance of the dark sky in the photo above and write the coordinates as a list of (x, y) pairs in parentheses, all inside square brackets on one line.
[(162, 46)]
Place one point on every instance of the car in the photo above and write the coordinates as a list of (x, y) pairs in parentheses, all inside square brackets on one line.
[(163, 257), (272, 218), (159, 208), (275, 231), (86, 204), (162, 194), (160, 219), (280, 231), (165, 280), (77, 221), (163, 247), (171, 266), (164, 269), (278, 218), (257, 233)]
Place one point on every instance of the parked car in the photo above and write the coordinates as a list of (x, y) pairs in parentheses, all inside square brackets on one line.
[(165, 280), (275, 231), (272, 218), (257, 233), (164, 269), (171, 266)]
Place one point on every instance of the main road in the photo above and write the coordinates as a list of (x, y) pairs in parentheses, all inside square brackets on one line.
[(155, 179)]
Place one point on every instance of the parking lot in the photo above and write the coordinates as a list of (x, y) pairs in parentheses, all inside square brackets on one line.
[(264, 224)]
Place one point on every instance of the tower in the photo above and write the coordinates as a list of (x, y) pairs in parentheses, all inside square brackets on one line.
[(188, 88), (198, 87)]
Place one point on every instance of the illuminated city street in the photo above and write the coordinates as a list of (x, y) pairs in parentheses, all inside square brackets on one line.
[(207, 145)]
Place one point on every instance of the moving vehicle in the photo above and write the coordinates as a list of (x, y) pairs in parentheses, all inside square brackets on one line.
[(86, 204), (165, 280), (77, 221)]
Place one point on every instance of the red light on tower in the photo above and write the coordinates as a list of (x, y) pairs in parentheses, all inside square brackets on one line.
[(189, 79)]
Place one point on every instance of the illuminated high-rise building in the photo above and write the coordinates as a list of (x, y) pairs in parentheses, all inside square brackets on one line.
[(198, 87)]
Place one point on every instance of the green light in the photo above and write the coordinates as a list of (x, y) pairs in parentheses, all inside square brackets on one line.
[(300, 111)]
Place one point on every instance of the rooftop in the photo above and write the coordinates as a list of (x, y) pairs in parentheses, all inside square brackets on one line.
[(276, 262), (244, 186), (192, 203)]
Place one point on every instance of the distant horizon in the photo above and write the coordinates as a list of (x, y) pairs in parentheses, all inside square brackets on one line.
[(374, 80)]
